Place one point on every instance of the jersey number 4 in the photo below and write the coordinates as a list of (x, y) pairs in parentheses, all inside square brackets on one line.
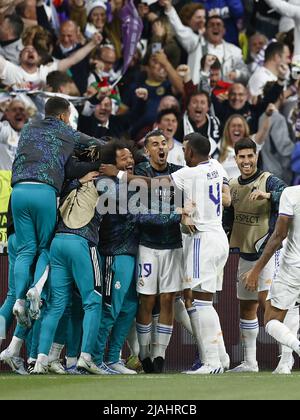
[(215, 198)]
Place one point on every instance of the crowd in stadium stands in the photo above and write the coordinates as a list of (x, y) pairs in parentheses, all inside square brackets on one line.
[(142, 87)]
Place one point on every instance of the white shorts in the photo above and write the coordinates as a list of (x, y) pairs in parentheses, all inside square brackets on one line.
[(160, 270), (264, 280), (285, 289), (205, 255)]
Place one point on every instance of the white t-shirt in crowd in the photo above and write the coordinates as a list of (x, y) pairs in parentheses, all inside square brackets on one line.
[(258, 80), (13, 75), (176, 155), (202, 185), (290, 206)]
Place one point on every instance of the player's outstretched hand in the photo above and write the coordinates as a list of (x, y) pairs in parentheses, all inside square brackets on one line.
[(108, 170), (250, 280)]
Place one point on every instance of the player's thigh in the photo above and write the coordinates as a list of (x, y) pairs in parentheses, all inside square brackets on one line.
[(147, 271), (170, 270), (285, 289)]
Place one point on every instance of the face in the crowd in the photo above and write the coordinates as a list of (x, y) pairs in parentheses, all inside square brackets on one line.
[(124, 160), (6, 31), (168, 124), (68, 35), (98, 17), (29, 56), (16, 115), (214, 76), (103, 110), (246, 160), (168, 102), (236, 130), (69, 89), (108, 57), (157, 150), (156, 71), (237, 96), (215, 31), (198, 20), (257, 42), (198, 108)]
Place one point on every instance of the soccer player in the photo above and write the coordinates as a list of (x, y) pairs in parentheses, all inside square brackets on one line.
[(204, 176), (74, 259), (159, 261), (285, 289), (37, 176), (255, 199), (118, 246)]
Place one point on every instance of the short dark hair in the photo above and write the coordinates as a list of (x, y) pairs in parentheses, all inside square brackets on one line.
[(109, 150), (16, 24), (153, 133), (56, 106), (198, 143), (56, 79), (201, 92), (244, 143), (167, 111), (209, 18), (273, 49), (215, 66)]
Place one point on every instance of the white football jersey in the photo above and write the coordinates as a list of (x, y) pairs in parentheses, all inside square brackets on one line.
[(202, 186), (290, 206)]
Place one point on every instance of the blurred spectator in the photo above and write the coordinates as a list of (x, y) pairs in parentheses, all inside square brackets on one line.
[(30, 75), (167, 122), (163, 39), (231, 11), (257, 42), (27, 11), (197, 118), (13, 120), (41, 40), (68, 42), (278, 146), (229, 55), (11, 29), (275, 67)]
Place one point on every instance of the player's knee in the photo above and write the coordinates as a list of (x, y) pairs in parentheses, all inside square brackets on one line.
[(167, 299)]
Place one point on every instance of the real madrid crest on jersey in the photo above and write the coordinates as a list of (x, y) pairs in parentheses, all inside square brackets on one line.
[(118, 285)]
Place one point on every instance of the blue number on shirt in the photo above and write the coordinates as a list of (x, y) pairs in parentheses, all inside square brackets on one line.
[(216, 199)]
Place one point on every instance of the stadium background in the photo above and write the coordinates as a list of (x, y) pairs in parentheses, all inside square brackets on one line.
[(181, 351)]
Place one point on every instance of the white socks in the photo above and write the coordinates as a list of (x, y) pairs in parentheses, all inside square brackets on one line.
[(249, 331), (15, 346), (43, 359), (221, 344), (55, 352), (283, 335), (291, 321), (208, 328), (144, 338), (163, 336), (181, 314)]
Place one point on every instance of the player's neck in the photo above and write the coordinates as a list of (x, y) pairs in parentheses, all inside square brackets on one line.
[(159, 167)]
